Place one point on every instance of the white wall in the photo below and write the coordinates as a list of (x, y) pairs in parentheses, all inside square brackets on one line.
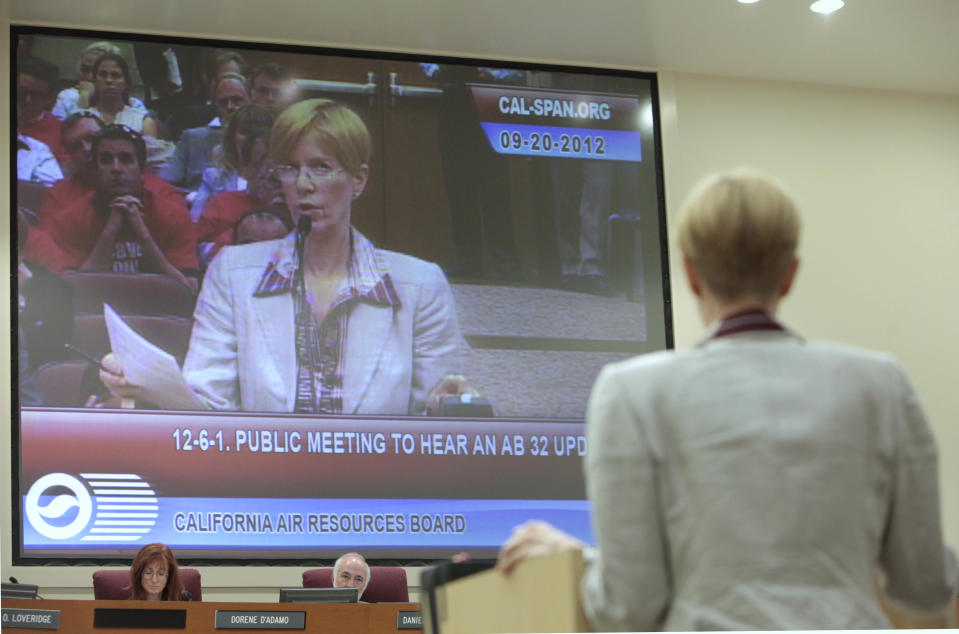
[(877, 175)]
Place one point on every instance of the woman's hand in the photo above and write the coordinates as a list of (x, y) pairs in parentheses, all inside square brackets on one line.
[(534, 539), (114, 380), (449, 385), (85, 90)]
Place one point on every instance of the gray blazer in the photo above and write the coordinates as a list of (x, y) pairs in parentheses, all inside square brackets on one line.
[(242, 351), (213, 181), (759, 481), (192, 155)]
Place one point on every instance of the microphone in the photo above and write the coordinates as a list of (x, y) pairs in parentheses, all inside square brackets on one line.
[(303, 225), (186, 596), (465, 405), (303, 316)]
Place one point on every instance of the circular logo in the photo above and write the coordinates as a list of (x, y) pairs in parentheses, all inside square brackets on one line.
[(59, 506)]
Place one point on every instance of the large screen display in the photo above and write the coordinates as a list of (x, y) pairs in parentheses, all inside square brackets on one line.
[(357, 299)]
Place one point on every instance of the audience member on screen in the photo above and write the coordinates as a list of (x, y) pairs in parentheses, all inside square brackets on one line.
[(260, 225), (170, 76), (155, 576), (77, 98), (373, 333), (216, 226), (36, 163), (217, 62), (476, 179), (29, 394), (123, 225), (273, 87), (36, 82), (111, 96), (78, 133), (758, 480), (243, 150), (194, 150), (352, 571)]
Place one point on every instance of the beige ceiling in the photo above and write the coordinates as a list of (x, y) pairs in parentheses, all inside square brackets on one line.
[(896, 44)]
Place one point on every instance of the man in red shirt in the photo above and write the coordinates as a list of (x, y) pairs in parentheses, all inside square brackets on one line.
[(124, 224), (36, 81), (216, 226), (77, 134)]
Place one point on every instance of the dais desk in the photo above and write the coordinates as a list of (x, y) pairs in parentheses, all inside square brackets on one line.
[(76, 617)]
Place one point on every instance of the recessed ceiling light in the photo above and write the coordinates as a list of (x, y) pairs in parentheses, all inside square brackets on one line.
[(826, 6), (747, 1)]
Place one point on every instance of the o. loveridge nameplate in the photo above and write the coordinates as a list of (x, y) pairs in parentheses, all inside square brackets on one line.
[(33, 619), (409, 620), (259, 620)]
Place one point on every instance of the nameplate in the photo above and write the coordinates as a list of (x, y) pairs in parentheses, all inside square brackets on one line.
[(160, 619), (259, 620), (31, 619), (409, 620)]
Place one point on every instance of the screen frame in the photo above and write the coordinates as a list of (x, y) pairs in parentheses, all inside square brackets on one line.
[(18, 30)]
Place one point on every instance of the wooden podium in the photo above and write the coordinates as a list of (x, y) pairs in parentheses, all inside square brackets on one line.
[(541, 595), (77, 617)]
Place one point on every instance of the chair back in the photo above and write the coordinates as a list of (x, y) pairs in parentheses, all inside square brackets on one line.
[(60, 383), (47, 319), (191, 583), (112, 584), (387, 584), (130, 294), (171, 334)]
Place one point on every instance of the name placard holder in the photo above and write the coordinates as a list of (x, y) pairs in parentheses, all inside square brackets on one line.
[(409, 620), (167, 619), (259, 620), (30, 619)]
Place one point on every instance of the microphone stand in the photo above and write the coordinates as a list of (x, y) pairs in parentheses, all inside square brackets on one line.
[(304, 348)]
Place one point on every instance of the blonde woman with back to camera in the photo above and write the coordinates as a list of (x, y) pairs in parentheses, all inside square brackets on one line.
[(757, 480)]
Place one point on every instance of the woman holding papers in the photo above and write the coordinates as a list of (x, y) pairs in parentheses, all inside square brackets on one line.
[(321, 321), (758, 480)]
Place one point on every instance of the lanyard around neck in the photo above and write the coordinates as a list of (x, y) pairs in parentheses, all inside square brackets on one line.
[(749, 320)]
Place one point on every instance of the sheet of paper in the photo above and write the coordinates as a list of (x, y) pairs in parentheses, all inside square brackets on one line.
[(146, 365)]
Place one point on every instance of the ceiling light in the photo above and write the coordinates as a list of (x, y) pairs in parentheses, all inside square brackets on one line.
[(747, 1), (826, 6)]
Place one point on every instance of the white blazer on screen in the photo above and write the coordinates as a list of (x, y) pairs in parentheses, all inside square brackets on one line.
[(242, 351)]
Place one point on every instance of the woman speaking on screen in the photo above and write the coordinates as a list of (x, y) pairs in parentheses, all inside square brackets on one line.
[(322, 321)]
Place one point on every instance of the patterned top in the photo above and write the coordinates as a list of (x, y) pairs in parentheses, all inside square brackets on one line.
[(130, 117), (320, 346)]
